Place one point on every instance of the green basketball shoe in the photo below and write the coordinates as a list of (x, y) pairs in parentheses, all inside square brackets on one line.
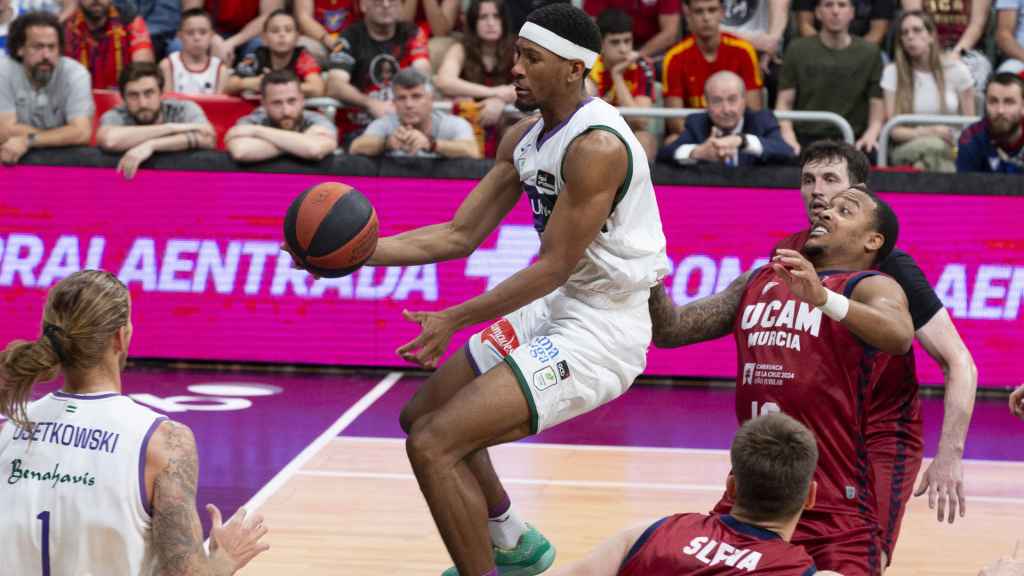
[(532, 555)]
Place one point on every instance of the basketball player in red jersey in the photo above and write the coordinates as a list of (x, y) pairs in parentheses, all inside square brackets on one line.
[(895, 441), (813, 335), (773, 460)]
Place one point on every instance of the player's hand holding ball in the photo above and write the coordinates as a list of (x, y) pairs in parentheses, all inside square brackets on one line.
[(799, 275), (330, 230)]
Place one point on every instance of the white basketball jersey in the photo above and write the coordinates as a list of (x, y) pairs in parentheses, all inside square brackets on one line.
[(72, 492), (628, 256), (188, 82)]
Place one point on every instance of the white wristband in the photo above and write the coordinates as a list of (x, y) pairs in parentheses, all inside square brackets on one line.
[(836, 306)]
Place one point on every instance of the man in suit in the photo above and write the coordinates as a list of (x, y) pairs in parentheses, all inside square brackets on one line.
[(728, 133)]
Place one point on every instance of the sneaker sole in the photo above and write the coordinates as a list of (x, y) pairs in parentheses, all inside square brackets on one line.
[(542, 564)]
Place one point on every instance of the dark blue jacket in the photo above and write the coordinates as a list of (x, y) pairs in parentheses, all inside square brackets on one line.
[(978, 153), (761, 123)]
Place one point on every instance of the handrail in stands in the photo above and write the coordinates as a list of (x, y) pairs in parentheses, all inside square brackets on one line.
[(883, 138), (330, 106)]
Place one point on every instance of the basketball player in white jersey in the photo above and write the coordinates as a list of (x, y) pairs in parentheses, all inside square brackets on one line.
[(93, 483), (573, 328)]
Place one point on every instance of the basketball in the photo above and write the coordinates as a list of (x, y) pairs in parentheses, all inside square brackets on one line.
[(331, 229)]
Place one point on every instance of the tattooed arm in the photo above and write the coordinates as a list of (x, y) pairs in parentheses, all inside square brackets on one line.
[(700, 320), (172, 472)]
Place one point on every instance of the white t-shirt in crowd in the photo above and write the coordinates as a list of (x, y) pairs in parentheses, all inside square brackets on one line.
[(926, 90)]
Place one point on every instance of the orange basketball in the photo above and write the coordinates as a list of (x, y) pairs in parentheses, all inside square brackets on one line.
[(332, 229)]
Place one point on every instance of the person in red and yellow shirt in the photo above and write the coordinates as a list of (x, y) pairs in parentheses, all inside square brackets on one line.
[(621, 75), (105, 40), (706, 50)]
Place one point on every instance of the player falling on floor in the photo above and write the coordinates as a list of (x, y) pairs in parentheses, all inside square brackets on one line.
[(94, 483), (574, 327), (814, 332), (773, 460)]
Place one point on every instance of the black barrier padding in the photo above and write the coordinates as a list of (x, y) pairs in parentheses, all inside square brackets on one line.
[(696, 175)]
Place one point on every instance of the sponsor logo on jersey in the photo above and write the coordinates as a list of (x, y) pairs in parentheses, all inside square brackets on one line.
[(18, 473), (768, 286), (748, 373), (563, 370), (500, 337), (546, 180), (544, 378), (774, 315), (713, 553), (543, 349)]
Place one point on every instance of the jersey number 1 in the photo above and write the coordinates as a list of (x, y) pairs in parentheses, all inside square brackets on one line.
[(44, 517), (765, 408)]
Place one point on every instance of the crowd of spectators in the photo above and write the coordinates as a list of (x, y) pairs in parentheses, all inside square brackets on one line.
[(435, 77)]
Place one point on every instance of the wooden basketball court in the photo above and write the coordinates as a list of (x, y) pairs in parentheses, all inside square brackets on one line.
[(354, 507)]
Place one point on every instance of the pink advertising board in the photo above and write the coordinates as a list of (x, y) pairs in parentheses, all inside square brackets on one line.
[(199, 252)]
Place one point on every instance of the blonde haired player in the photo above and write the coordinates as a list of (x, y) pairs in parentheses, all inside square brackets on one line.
[(93, 482)]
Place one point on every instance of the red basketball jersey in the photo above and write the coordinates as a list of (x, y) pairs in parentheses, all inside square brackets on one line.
[(796, 360), (700, 545)]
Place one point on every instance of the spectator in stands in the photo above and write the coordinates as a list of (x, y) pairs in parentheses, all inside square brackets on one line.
[(45, 100), (11, 9), (622, 76), (996, 143), (321, 23), (7, 15), (147, 122), (437, 18), (477, 70), (762, 23), (194, 69), (832, 71), (281, 125), (238, 24), (707, 49), (924, 81), (728, 133), (373, 50), (105, 40), (871, 18), (959, 26), (655, 22), (280, 51), (416, 129), (162, 18), (1010, 35)]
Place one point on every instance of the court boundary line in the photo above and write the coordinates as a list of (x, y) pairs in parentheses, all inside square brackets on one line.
[(635, 449), (589, 484), (294, 466)]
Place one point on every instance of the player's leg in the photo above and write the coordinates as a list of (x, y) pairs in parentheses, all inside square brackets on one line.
[(895, 458), (491, 409), (439, 388), (839, 543)]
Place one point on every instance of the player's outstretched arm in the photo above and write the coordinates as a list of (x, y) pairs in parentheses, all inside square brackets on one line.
[(877, 311), (595, 167), (606, 559), (705, 319), (173, 464), (944, 477), (477, 216)]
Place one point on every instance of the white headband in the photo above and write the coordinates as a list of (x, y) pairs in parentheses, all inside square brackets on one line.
[(555, 43)]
